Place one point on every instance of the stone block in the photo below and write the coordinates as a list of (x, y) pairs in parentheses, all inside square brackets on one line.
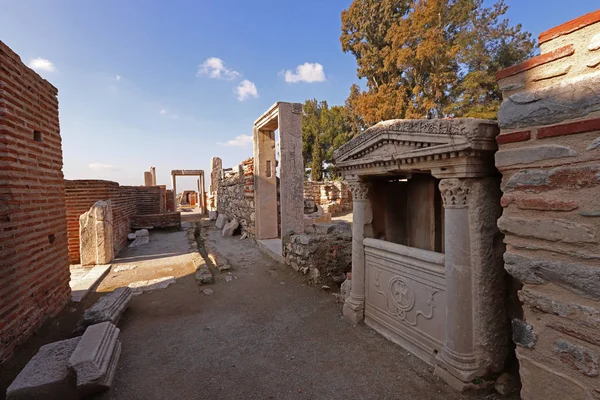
[(142, 232), (563, 101), (204, 276), (230, 227), (541, 382), (95, 358), (131, 236), (526, 178), (528, 155), (578, 357), (523, 334), (577, 278), (46, 376), (346, 289), (554, 230), (140, 287), (109, 308), (96, 234), (212, 215), (222, 219)]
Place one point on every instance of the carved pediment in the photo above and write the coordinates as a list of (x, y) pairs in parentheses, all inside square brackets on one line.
[(396, 142)]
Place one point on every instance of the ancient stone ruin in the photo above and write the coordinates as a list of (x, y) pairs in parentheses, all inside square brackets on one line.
[(549, 159), (426, 257), (96, 234)]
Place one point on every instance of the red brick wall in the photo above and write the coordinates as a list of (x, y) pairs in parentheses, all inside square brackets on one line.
[(549, 157), (34, 269), (170, 201), (149, 199), (127, 201), (163, 220)]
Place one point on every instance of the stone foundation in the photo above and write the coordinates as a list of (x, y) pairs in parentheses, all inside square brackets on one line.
[(324, 256), (549, 159)]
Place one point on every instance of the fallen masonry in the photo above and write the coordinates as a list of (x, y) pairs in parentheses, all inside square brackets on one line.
[(108, 309), (140, 287), (46, 376), (95, 358)]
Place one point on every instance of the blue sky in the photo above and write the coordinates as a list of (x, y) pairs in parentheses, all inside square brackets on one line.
[(155, 83)]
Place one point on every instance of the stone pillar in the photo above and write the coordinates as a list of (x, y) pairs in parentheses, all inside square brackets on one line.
[(174, 192), (265, 184), (362, 214), (153, 175), (147, 178), (96, 234), (458, 354)]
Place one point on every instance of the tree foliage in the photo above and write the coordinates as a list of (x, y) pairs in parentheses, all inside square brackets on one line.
[(429, 58), (324, 129)]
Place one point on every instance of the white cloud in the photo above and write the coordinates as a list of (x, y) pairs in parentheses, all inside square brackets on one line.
[(118, 77), (100, 166), (245, 90), (41, 64), (307, 72), (241, 140), (164, 113), (215, 68)]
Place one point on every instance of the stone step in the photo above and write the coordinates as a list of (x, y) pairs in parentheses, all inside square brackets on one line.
[(47, 376), (108, 309), (95, 358)]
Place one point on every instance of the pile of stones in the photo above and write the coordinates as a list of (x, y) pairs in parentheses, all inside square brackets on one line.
[(79, 367)]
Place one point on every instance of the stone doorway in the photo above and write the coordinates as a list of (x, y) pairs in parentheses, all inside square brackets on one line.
[(201, 200), (279, 205)]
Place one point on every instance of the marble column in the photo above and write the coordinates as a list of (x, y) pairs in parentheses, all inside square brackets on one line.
[(458, 354), (362, 214)]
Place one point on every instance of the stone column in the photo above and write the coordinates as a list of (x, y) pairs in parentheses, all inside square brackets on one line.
[(362, 214), (458, 355), (174, 192)]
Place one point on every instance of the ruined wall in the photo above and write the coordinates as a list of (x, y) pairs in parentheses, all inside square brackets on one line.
[(34, 269), (324, 256), (236, 195), (127, 202), (163, 220), (549, 158), (332, 196), (169, 201)]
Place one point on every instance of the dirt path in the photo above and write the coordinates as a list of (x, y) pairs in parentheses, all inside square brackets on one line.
[(262, 334)]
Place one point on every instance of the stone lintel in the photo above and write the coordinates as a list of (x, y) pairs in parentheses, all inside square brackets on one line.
[(109, 308), (187, 172)]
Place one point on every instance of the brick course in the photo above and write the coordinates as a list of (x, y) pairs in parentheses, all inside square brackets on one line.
[(34, 270)]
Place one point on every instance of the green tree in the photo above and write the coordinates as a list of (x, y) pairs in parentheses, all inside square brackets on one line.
[(430, 58)]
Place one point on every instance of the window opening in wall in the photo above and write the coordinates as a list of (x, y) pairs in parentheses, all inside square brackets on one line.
[(51, 238), (37, 136)]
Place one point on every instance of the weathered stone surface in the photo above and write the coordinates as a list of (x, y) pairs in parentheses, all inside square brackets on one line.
[(345, 289), (131, 236), (95, 358), (578, 357), (548, 302), (222, 219), (579, 279), (142, 232), (523, 334), (96, 234), (552, 73), (594, 62), (528, 155), (46, 376), (139, 241), (595, 144), (554, 230), (593, 213), (507, 384), (212, 215), (541, 382), (230, 227), (140, 287), (204, 276), (545, 205), (594, 43), (122, 268), (526, 178), (109, 308), (574, 177), (564, 100)]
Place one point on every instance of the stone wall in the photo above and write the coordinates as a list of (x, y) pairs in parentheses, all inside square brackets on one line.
[(34, 268), (333, 196), (236, 195), (127, 202), (324, 256), (170, 204), (549, 159)]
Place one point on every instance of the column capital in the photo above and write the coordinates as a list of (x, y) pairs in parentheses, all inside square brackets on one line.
[(359, 189), (455, 192)]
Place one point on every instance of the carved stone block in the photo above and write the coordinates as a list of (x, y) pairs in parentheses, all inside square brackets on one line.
[(108, 309)]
